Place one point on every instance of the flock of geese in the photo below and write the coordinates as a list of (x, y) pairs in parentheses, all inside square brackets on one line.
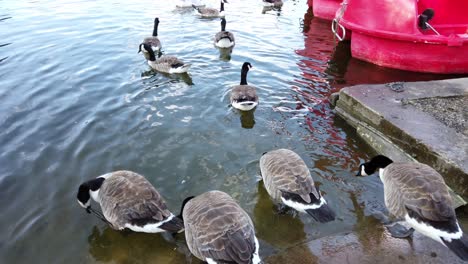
[(218, 230)]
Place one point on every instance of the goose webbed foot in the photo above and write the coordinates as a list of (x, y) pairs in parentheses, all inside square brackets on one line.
[(399, 231)]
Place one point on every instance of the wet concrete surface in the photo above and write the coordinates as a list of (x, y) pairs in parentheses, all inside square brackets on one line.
[(373, 247), (426, 133)]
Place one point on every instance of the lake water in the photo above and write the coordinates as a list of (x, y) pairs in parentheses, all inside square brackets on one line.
[(78, 101)]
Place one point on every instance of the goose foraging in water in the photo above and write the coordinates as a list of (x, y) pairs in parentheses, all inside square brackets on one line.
[(288, 181), (418, 194), (244, 97), (209, 12), (169, 64), (153, 41), (224, 39), (128, 200), (218, 230)]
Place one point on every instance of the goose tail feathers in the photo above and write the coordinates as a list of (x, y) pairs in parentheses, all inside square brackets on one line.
[(322, 214), (458, 246), (175, 225)]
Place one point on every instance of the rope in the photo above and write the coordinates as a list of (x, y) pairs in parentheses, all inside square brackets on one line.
[(336, 21)]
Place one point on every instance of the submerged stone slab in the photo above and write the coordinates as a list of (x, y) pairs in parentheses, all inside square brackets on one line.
[(378, 247), (391, 118)]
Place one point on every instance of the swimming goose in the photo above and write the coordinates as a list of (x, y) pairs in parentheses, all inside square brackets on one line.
[(244, 97), (153, 41), (288, 181), (169, 64), (218, 230), (418, 194), (273, 3), (209, 12), (224, 39), (128, 200)]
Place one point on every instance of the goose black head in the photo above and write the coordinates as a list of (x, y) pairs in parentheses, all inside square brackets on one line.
[(87, 189), (377, 162), (246, 66), (186, 200), (155, 29)]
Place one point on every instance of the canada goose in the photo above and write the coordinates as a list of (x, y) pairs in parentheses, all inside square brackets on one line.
[(224, 39), (128, 200), (153, 41), (169, 64), (218, 230), (244, 97), (273, 3), (288, 181), (418, 194), (211, 12)]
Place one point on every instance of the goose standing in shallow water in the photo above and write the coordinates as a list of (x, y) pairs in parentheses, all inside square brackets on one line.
[(153, 41), (169, 64), (244, 97), (208, 12), (288, 181), (224, 39), (218, 230), (128, 200), (418, 194)]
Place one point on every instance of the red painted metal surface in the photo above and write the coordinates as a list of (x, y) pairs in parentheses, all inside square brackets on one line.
[(386, 33), (325, 9)]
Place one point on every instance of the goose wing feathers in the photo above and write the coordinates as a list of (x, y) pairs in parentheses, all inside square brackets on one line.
[(224, 34), (127, 197), (217, 228), (418, 188), (207, 11), (284, 171), (242, 93), (171, 61)]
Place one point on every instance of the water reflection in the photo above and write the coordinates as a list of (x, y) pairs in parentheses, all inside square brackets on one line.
[(185, 77), (113, 246), (279, 230), (2, 19), (369, 230), (225, 53), (247, 119)]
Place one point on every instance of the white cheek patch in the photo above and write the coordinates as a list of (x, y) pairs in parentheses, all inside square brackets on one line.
[(363, 172), (86, 205)]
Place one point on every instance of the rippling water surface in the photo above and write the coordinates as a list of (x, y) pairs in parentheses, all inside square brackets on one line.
[(78, 101)]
